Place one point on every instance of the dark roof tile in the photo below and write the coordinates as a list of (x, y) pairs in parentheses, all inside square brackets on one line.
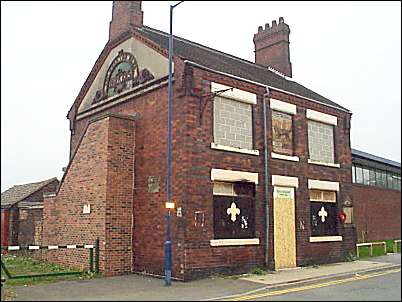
[(20, 192), (226, 63)]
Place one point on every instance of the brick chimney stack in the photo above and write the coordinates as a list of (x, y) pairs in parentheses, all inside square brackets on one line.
[(272, 47), (125, 15)]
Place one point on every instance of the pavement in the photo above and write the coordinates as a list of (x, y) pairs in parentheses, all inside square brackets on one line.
[(140, 288)]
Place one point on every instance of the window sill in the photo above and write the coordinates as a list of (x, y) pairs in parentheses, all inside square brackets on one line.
[(233, 149), (325, 238), (323, 164), (232, 242), (284, 157)]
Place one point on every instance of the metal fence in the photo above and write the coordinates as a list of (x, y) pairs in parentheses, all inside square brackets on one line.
[(93, 265)]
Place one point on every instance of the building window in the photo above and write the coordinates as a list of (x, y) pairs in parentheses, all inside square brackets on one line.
[(390, 180), (398, 182), (321, 142), (234, 207), (378, 178), (366, 176), (359, 175), (323, 213), (372, 180), (233, 123), (374, 177), (282, 133)]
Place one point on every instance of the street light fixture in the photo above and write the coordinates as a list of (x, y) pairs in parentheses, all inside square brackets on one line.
[(168, 254)]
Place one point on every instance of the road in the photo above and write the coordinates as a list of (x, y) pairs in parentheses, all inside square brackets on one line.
[(381, 286)]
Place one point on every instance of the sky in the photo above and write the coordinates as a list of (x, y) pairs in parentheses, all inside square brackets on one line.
[(349, 52)]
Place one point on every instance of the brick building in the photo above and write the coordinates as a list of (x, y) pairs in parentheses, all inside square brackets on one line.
[(21, 212), (376, 194), (261, 165)]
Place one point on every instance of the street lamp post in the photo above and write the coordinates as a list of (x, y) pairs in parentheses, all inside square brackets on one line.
[(168, 254)]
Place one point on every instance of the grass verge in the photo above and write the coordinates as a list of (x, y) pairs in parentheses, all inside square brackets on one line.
[(21, 265), (378, 250)]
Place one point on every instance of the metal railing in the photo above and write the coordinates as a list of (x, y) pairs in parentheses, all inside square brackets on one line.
[(370, 244), (395, 246), (93, 258)]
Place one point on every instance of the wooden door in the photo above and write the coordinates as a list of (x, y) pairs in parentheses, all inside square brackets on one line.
[(284, 228)]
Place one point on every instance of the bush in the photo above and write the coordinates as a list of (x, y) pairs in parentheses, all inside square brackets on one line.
[(258, 271)]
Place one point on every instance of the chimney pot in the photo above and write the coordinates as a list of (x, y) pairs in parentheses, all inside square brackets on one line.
[(272, 48), (125, 15)]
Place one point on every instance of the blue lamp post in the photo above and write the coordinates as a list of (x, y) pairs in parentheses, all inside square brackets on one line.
[(169, 204)]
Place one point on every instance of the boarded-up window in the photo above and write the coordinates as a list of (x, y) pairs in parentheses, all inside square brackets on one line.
[(324, 213), (234, 207), (282, 133), (321, 142), (233, 123)]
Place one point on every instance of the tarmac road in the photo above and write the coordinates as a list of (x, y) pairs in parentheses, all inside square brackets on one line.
[(385, 287)]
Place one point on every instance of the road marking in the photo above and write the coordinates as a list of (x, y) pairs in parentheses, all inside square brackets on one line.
[(307, 287)]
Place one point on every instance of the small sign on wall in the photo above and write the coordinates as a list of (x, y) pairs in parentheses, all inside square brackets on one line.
[(153, 184), (86, 209)]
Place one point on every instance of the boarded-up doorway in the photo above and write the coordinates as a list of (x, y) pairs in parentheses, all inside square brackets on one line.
[(284, 228)]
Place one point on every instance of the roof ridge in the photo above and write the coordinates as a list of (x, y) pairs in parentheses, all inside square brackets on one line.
[(36, 182), (375, 157), (221, 52), (30, 192)]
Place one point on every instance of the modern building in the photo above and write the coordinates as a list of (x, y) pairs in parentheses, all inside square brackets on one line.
[(261, 165), (376, 194)]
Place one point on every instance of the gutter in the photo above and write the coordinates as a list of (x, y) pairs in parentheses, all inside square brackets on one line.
[(263, 85), (266, 192)]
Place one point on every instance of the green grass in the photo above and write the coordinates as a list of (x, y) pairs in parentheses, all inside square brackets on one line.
[(258, 271), (378, 250), (20, 265)]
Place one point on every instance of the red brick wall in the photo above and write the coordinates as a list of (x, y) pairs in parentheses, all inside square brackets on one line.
[(119, 194), (192, 161), (100, 174), (272, 47), (199, 255), (377, 213)]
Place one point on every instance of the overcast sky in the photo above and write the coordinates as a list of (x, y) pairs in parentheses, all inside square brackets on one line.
[(349, 52)]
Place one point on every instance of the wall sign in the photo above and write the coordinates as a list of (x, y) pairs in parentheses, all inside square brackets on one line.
[(123, 74), (153, 184), (86, 209)]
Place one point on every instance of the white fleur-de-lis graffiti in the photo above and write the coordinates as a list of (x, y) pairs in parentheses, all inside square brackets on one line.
[(233, 211), (322, 213)]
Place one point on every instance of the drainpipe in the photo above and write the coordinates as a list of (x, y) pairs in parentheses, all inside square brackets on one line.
[(266, 193)]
